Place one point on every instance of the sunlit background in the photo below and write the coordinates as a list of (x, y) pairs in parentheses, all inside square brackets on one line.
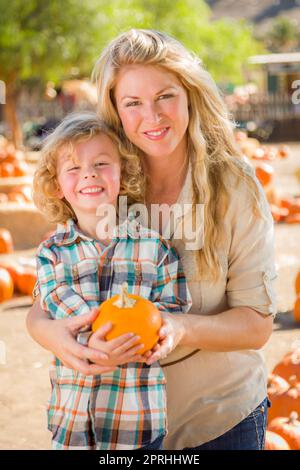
[(47, 52)]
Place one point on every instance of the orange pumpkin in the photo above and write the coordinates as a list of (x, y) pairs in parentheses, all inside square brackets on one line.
[(130, 313), (279, 213), (16, 197), (292, 219), (13, 270), (6, 285), (9, 158), (289, 365), (288, 428), (286, 203), (297, 284), (26, 279), (276, 384), (283, 404), (25, 190), (6, 243), (21, 168), (295, 207), (275, 442), (264, 173), (296, 311), (283, 151), (7, 169), (3, 198)]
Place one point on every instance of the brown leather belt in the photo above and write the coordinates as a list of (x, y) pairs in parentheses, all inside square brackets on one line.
[(181, 359)]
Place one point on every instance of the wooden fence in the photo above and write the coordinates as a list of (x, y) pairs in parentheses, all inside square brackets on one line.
[(264, 107)]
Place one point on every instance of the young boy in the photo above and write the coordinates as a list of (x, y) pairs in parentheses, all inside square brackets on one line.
[(79, 172)]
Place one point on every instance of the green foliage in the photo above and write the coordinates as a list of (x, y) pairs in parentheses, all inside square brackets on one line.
[(284, 35), (48, 39), (39, 38)]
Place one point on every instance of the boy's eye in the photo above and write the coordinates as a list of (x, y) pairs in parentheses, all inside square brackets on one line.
[(101, 164), (73, 168)]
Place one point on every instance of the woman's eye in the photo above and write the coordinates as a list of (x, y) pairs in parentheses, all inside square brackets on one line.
[(132, 103), (165, 97)]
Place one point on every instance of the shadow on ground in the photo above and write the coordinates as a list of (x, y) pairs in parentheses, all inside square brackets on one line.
[(285, 321)]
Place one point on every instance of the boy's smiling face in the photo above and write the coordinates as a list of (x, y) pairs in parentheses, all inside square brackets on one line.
[(90, 177)]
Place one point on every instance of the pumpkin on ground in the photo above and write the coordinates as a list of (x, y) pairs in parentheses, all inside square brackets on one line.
[(6, 285), (26, 279), (289, 365), (6, 243), (297, 284), (264, 173), (288, 428), (130, 313), (283, 404), (292, 219), (276, 384), (275, 442)]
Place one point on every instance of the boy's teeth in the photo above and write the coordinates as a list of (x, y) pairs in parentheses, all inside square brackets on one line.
[(91, 190)]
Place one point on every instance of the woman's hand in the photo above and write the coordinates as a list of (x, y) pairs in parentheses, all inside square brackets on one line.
[(170, 335)]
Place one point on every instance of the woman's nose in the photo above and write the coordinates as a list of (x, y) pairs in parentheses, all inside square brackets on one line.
[(152, 113)]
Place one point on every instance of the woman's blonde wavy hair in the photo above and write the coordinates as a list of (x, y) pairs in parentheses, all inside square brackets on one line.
[(74, 128), (212, 149)]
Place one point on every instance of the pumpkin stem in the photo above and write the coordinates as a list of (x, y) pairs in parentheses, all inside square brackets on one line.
[(293, 417), (295, 357), (293, 380), (124, 301)]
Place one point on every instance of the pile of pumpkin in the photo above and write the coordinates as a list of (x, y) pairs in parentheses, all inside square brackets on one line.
[(13, 164), (15, 276), (283, 430), (12, 161), (283, 209), (21, 194), (297, 301)]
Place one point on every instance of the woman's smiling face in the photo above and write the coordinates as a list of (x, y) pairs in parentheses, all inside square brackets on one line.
[(153, 108)]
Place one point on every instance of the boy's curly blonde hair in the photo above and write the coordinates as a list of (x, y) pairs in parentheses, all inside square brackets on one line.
[(74, 128)]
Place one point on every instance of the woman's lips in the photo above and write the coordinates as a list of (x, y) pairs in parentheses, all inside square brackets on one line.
[(157, 134)]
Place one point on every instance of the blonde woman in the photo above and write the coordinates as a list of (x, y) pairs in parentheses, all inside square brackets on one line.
[(167, 110)]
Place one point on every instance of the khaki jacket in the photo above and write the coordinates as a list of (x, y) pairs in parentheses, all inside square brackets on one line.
[(208, 393)]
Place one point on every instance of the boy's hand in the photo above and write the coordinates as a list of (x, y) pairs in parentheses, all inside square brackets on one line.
[(120, 350)]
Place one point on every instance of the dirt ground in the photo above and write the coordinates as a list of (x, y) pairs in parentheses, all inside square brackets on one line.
[(24, 383)]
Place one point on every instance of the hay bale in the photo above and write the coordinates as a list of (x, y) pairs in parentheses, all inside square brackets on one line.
[(25, 223)]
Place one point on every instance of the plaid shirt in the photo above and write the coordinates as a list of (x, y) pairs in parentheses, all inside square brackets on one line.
[(124, 409)]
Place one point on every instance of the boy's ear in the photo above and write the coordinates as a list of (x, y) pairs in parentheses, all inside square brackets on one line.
[(59, 192)]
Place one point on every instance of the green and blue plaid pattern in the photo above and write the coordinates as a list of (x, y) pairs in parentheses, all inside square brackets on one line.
[(124, 409)]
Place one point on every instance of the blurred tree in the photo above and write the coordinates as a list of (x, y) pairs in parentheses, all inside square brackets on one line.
[(49, 39), (284, 35), (224, 46), (42, 39)]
